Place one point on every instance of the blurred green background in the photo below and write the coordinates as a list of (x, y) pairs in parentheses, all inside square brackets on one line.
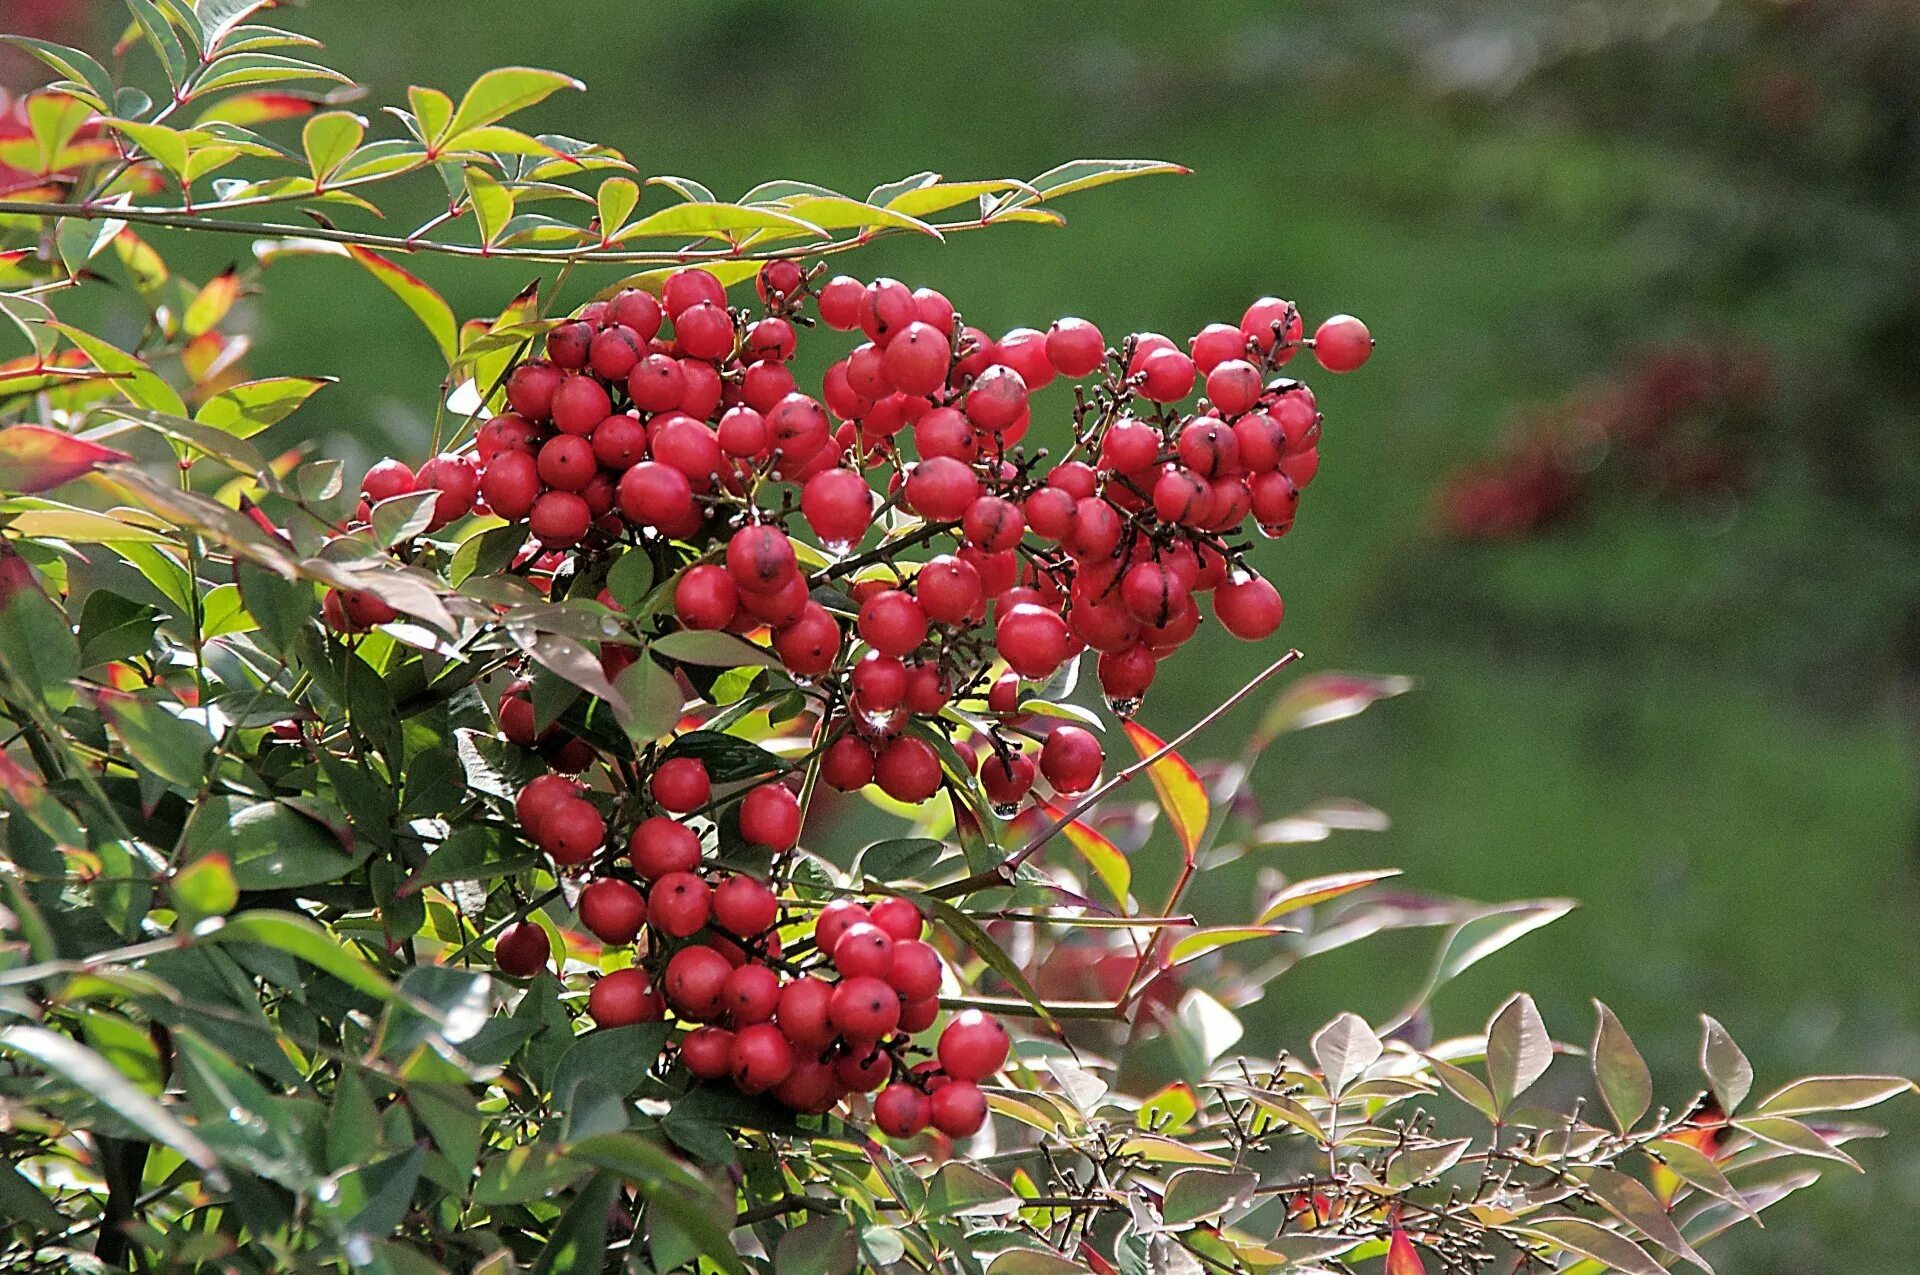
[(1697, 716)]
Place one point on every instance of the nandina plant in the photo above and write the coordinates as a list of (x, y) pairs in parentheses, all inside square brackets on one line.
[(443, 872)]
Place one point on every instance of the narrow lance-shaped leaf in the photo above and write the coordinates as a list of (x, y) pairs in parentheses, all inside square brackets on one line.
[(1182, 794), (1816, 1094), (34, 458), (1105, 858), (427, 305), (1626, 1086)]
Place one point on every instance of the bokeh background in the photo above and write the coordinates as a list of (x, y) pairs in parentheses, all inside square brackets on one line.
[(1631, 487)]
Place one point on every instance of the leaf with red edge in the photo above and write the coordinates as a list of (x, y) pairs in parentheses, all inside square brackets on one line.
[(1320, 698), (1305, 894), (1182, 794), (34, 458), (251, 109), (1402, 1257), (1105, 858), (427, 305)]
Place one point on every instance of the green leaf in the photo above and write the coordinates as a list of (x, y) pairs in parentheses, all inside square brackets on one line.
[(900, 859), (299, 937), (1620, 1073), (837, 212), (159, 737), (328, 139), (1031, 1261), (637, 1160), (427, 305), (968, 931), (34, 458), (492, 205), (1320, 698), (1345, 1048), (1815, 1094), (818, 1246), (1084, 174), (160, 34), (101, 1081), (501, 92), (204, 888), (1519, 1051), (246, 409), (85, 73), (1316, 890), (713, 219), (616, 199), (1631, 1202), (728, 758), (37, 647), (960, 1190), (713, 648), (1792, 1135), (1726, 1068), (922, 201), (1194, 1194), (1423, 1163), (653, 700), (271, 846), (131, 377), (250, 70), (22, 1202), (577, 1243), (1589, 1239)]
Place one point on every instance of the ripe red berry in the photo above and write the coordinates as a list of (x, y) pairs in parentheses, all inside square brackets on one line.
[(687, 288), (572, 830), (612, 911), (886, 308), (779, 280), (656, 383), (838, 505), (864, 1071), (901, 1111), (1270, 321), (958, 1110), (770, 339), (809, 645), (614, 352), (915, 359), (864, 949), (760, 559), (847, 764), (913, 969), (750, 994), (566, 461), (704, 331), (623, 998), (973, 1046), (559, 519), (507, 432), (933, 308), (386, 479), (568, 345), (803, 1012), (1234, 386), (994, 523), (744, 906), (696, 980), (1260, 441), (879, 682), (1342, 343), (998, 398), (458, 483), (1050, 512), (680, 784), (918, 1015), (1071, 759), (1032, 640), (898, 917), (810, 1087), (1006, 780), (522, 950), (1248, 607), (705, 597), (940, 488), (1075, 347), (907, 769), (636, 309), (864, 1008), (531, 387), (945, 432), (538, 799), (679, 904), (660, 846), (707, 1052), (840, 302), (948, 590), (1126, 675), (1276, 499), (1129, 446), (579, 404), (1216, 344), (1169, 376), (743, 434), (760, 1058), (835, 920), (892, 622), (770, 817)]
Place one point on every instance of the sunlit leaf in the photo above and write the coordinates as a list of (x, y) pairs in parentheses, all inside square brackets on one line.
[(1519, 1051), (1816, 1094), (1105, 858), (1345, 1048), (1320, 698), (1305, 894), (1182, 793), (1726, 1067), (501, 92), (34, 458), (1625, 1084)]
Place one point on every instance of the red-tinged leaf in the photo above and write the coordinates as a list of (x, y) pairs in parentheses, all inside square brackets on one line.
[(1320, 698), (1305, 894), (427, 305), (212, 302), (1402, 1257), (251, 109), (34, 458), (1182, 794), (1101, 855), (1200, 942)]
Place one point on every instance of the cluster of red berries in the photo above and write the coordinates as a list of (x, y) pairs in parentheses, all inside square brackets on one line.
[(809, 1029)]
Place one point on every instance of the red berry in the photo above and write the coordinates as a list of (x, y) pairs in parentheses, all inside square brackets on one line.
[(809, 645), (660, 846), (803, 1012), (907, 769), (835, 920), (810, 1087), (1301, 466), (522, 950), (770, 817), (679, 904), (838, 505), (579, 404), (696, 979), (744, 906), (538, 799), (779, 280), (864, 949), (652, 494), (915, 359), (531, 387), (1248, 607), (1260, 442), (958, 1110), (798, 428), (864, 1072), (559, 519), (750, 994), (568, 345), (927, 690), (913, 969), (707, 1052), (1168, 376), (1071, 759), (770, 339), (1075, 347), (1126, 675), (998, 398), (973, 1046), (705, 597), (948, 590), (1270, 321), (898, 917), (458, 483), (1050, 512), (386, 479), (636, 309), (612, 911), (1006, 780), (892, 622), (879, 682), (1215, 344), (994, 523), (680, 784), (840, 301), (933, 308), (1234, 386), (623, 998), (656, 383), (760, 1058), (1276, 499), (945, 432), (566, 461), (687, 288), (704, 331), (1025, 351), (760, 559), (743, 434), (1342, 343), (864, 1008), (572, 830), (886, 308), (507, 432), (614, 352), (901, 1111), (1032, 640), (941, 488), (847, 764)]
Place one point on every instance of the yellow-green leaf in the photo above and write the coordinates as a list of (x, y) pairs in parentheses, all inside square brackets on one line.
[(713, 219), (427, 305), (328, 139), (502, 91), (1182, 794), (1105, 858), (1305, 894)]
